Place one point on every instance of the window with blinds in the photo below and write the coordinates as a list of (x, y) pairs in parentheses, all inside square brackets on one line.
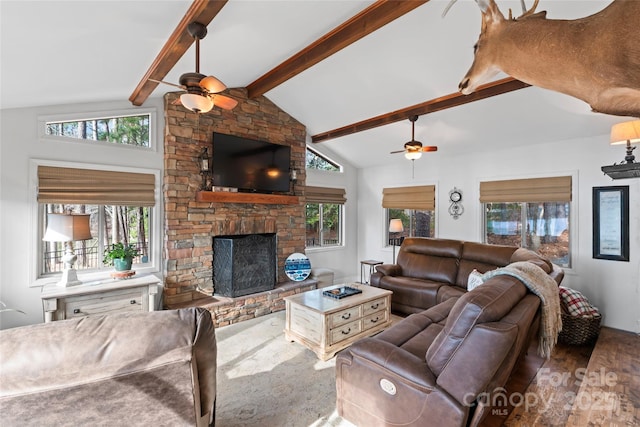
[(414, 206), (324, 216), (531, 213), (120, 205)]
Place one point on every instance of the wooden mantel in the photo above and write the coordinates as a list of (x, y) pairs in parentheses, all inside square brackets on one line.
[(250, 198)]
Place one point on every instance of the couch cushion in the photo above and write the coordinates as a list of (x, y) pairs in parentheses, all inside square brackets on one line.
[(523, 254), (482, 257), (411, 292), (488, 303), (416, 332), (430, 259)]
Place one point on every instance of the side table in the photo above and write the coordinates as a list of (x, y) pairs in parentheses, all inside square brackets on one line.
[(372, 264), (108, 296)]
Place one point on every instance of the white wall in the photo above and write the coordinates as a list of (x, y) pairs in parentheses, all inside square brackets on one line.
[(19, 144), (612, 286)]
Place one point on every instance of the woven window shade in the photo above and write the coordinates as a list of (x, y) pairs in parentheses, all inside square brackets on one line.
[(95, 187), (421, 197), (554, 189), (325, 195)]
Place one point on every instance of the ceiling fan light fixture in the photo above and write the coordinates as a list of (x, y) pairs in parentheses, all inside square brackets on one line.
[(413, 155), (196, 103)]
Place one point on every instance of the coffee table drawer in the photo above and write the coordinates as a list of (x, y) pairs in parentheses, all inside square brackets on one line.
[(373, 306), (345, 331), (375, 319), (344, 316)]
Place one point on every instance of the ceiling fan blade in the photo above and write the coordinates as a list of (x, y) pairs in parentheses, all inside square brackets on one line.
[(429, 148), (212, 85), (167, 83), (396, 152), (225, 102)]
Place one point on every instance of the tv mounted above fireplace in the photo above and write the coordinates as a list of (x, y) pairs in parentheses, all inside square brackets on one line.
[(250, 165)]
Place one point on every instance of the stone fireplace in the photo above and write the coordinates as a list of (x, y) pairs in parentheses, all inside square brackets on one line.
[(193, 217), (244, 264)]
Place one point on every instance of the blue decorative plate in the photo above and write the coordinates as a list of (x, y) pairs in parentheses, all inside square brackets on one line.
[(297, 267)]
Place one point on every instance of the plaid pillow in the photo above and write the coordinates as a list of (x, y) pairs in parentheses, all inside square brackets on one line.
[(576, 304)]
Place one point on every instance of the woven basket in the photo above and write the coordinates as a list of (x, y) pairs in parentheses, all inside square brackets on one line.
[(579, 330)]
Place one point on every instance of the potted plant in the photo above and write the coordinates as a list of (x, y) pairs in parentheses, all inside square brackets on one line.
[(120, 256)]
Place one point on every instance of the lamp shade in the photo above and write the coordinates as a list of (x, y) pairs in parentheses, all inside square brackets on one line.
[(625, 131), (395, 226), (67, 228), (413, 155), (196, 103)]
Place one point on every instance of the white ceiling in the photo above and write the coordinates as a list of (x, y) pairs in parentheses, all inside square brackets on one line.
[(61, 52)]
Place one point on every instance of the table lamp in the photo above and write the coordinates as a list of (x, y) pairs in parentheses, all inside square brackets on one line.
[(67, 228), (395, 226)]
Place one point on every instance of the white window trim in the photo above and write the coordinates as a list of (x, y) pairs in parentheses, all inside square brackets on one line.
[(321, 154), (574, 227), (343, 235), (35, 231), (72, 117)]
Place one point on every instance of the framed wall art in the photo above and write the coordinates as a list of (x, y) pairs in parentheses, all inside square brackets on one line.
[(611, 223)]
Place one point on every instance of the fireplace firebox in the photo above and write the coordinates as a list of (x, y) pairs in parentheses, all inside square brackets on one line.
[(244, 264)]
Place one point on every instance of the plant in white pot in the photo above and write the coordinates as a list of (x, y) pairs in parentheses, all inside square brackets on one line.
[(120, 256)]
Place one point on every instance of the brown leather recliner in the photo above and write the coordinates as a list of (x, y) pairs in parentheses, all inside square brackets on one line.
[(134, 368), (430, 368)]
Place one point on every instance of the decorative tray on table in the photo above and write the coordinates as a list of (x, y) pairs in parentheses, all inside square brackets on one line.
[(341, 292)]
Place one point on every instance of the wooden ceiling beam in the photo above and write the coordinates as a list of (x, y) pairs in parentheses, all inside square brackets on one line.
[(369, 20), (456, 99), (202, 11)]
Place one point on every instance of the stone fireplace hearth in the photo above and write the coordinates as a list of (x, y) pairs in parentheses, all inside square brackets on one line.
[(191, 218)]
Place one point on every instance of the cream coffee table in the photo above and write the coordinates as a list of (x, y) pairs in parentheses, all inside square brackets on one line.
[(327, 325)]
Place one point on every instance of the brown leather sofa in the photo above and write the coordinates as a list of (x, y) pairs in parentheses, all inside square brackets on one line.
[(145, 369), (439, 367), (430, 271)]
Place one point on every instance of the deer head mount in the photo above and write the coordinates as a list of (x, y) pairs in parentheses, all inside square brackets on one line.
[(595, 59)]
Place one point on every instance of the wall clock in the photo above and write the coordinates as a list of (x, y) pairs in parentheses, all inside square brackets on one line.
[(455, 209)]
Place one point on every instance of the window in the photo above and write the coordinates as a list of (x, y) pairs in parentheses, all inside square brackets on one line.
[(315, 160), (415, 223), (109, 224), (530, 213), (121, 208), (414, 206), (324, 216), (130, 130)]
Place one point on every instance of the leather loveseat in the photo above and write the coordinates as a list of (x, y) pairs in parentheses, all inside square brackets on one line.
[(442, 366), (429, 271), (155, 368)]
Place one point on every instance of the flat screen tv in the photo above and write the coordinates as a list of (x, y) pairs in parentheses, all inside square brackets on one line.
[(250, 165)]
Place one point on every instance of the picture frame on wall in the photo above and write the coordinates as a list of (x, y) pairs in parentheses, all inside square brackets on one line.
[(611, 223)]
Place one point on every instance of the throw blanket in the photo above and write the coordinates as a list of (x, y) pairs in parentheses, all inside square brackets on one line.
[(542, 285)]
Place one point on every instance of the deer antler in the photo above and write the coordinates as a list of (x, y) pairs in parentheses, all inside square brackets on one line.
[(526, 12)]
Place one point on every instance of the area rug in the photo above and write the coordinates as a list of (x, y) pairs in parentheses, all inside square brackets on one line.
[(265, 380)]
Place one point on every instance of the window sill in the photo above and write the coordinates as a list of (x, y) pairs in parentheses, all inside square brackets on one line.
[(92, 277)]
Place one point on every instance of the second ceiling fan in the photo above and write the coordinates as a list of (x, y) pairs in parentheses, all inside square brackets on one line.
[(203, 92), (413, 149)]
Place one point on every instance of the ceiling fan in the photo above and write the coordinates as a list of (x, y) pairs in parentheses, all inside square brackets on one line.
[(413, 149), (203, 92)]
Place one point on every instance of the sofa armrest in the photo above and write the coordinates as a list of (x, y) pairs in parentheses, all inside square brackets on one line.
[(389, 269), (394, 363)]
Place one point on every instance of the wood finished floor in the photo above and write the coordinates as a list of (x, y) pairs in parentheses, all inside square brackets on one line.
[(579, 386)]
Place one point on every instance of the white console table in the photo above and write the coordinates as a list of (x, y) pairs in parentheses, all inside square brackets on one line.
[(100, 297)]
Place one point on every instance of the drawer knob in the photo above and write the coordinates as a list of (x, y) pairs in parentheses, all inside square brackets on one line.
[(347, 332), (346, 316), (76, 310), (132, 301), (374, 306), (375, 320)]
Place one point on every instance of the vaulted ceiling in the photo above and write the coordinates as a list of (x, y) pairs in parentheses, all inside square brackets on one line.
[(64, 52)]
